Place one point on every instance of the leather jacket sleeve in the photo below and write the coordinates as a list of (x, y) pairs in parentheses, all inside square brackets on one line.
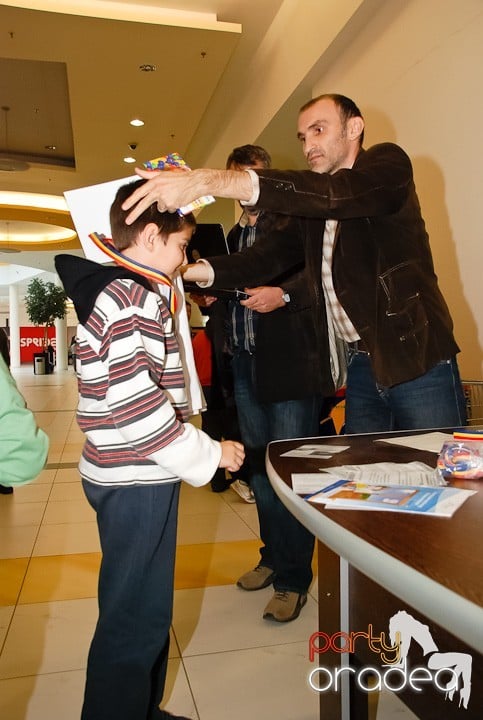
[(273, 258), (378, 184)]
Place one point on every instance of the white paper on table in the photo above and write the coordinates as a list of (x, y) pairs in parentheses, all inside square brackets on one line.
[(309, 483), (387, 473), (315, 451), (431, 442)]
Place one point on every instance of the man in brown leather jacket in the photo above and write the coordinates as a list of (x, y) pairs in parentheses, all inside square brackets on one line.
[(366, 246)]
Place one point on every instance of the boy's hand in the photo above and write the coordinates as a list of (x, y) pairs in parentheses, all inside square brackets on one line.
[(232, 455)]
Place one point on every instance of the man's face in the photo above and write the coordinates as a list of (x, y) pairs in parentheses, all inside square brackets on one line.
[(325, 139)]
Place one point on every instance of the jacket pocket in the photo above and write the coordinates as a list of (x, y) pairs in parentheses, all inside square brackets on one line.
[(404, 308)]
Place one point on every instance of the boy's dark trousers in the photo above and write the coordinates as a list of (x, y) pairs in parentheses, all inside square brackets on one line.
[(128, 657)]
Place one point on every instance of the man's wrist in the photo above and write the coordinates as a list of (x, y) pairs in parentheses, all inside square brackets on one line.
[(209, 274), (253, 199)]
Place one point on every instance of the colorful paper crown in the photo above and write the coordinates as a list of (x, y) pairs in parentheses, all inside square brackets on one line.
[(170, 162)]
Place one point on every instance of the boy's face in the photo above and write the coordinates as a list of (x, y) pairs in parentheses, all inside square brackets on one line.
[(171, 251)]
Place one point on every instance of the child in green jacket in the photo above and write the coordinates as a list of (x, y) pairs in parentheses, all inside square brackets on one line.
[(23, 445)]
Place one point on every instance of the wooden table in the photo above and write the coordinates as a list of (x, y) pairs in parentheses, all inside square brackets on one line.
[(373, 564)]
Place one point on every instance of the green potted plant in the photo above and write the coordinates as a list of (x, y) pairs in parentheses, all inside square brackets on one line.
[(44, 302)]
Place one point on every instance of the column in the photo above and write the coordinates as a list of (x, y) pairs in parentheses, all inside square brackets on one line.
[(61, 343), (14, 327)]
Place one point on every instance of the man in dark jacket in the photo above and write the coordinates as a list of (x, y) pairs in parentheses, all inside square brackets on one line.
[(366, 245)]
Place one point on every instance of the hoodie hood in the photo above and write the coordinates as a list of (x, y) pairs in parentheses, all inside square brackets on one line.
[(83, 280)]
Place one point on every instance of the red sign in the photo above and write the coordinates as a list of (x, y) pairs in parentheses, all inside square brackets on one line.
[(32, 341)]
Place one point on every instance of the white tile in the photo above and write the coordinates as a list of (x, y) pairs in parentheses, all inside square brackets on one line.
[(46, 476), (67, 475), (174, 651), (6, 612), (265, 682), (43, 697), (390, 707), (48, 637), (16, 514), (314, 589), (44, 642), (67, 491), (248, 513), (216, 619), (18, 542), (223, 527), (31, 492), (71, 511), (194, 501), (177, 694), (67, 539)]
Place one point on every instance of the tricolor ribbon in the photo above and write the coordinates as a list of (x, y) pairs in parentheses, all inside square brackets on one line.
[(106, 245)]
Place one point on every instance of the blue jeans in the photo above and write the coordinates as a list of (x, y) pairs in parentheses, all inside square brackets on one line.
[(287, 546), (126, 668), (433, 400)]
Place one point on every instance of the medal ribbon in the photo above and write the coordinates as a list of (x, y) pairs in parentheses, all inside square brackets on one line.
[(106, 245)]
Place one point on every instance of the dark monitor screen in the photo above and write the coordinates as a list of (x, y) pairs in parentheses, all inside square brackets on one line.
[(208, 240)]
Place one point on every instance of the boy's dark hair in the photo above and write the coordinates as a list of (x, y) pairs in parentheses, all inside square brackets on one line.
[(123, 236), (248, 155), (347, 107)]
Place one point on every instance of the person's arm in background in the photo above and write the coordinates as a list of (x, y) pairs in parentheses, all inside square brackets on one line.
[(275, 258), (23, 445)]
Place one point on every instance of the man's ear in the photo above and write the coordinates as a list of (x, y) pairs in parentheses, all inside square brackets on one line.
[(355, 127)]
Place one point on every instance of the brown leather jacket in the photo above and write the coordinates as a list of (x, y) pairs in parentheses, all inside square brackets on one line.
[(382, 265)]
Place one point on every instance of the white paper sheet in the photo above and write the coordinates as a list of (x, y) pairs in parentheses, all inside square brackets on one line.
[(322, 452), (413, 473), (432, 442)]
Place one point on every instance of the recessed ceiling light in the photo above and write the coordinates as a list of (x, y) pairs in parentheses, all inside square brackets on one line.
[(50, 147), (129, 160), (147, 67), (137, 122)]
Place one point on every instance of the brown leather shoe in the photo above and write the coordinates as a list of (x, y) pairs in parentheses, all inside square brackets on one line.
[(284, 606), (256, 579)]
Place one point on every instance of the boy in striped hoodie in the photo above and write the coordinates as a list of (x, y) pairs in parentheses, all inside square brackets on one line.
[(133, 410)]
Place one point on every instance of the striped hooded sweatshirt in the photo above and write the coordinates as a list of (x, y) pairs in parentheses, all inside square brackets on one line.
[(132, 400)]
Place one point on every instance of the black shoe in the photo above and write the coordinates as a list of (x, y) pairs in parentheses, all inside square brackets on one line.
[(219, 484), (5, 490)]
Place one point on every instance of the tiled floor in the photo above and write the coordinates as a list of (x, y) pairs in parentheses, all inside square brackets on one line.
[(226, 661)]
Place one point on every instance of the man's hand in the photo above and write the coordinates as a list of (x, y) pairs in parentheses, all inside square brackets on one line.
[(232, 455), (172, 189), (264, 299)]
